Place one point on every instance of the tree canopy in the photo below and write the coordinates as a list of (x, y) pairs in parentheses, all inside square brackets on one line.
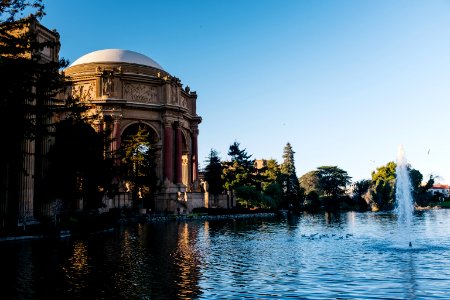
[(239, 170), (310, 182), (333, 181), (213, 173)]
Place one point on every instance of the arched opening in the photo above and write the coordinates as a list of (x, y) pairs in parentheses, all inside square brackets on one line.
[(138, 164)]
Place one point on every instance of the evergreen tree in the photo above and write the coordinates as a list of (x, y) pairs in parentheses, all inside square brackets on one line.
[(213, 173), (239, 171), (288, 178), (270, 173)]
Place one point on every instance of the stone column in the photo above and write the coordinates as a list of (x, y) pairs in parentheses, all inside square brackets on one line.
[(168, 151), (26, 182), (179, 153), (116, 139), (194, 158)]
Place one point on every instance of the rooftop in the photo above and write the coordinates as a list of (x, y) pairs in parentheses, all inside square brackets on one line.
[(116, 56)]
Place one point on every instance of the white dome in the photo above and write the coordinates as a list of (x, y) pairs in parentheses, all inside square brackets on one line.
[(116, 56)]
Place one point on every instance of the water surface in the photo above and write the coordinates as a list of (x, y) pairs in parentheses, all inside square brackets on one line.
[(325, 256)]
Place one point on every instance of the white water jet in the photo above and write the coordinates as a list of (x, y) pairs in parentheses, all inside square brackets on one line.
[(404, 203)]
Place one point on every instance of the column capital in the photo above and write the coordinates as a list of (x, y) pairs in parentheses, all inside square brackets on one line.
[(194, 131), (167, 122)]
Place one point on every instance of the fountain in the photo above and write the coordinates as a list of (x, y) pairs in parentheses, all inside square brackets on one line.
[(404, 203)]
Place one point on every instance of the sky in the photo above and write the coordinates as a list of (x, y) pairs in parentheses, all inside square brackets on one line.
[(344, 82)]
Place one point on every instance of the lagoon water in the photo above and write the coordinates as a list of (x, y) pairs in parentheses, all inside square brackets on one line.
[(326, 256)]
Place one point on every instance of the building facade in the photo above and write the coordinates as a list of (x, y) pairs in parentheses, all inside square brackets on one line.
[(22, 175), (126, 89)]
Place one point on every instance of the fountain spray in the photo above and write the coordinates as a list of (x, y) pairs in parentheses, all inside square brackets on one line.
[(404, 203)]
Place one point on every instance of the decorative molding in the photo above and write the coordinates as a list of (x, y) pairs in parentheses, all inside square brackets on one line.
[(140, 92)]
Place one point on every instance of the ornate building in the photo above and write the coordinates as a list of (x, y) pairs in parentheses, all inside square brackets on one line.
[(21, 187), (128, 90)]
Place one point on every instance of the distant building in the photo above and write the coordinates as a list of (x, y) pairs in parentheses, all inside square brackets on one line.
[(440, 189), (260, 163)]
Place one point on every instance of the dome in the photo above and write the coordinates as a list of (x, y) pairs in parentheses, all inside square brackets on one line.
[(116, 56)]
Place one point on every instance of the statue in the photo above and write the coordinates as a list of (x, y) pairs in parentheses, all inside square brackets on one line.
[(107, 83), (204, 185)]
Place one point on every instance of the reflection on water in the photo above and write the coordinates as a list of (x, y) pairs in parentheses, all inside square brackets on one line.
[(323, 256), (77, 268)]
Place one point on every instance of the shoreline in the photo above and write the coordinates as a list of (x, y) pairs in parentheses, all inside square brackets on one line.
[(149, 219), (193, 217), (129, 220)]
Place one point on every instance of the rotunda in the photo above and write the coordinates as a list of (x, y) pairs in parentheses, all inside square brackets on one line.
[(127, 89)]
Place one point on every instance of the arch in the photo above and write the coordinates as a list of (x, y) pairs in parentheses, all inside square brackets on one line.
[(147, 124), (139, 163)]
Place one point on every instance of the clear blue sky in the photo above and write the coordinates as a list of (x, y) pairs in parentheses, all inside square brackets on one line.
[(345, 82)]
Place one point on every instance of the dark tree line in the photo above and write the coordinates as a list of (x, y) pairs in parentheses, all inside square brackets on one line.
[(268, 186), (79, 163)]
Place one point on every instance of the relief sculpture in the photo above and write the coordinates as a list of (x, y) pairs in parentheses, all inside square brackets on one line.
[(183, 102), (174, 95), (141, 93), (83, 92)]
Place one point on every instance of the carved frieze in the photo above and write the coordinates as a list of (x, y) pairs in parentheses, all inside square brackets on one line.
[(183, 102), (84, 91), (140, 93)]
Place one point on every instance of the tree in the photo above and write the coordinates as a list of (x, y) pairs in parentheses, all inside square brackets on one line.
[(333, 182), (270, 173), (138, 166), (273, 195), (78, 153), (248, 196), (383, 187), (239, 171), (416, 181), (27, 90), (423, 198), (386, 173), (288, 177), (310, 182), (312, 201), (361, 187), (213, 173)]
